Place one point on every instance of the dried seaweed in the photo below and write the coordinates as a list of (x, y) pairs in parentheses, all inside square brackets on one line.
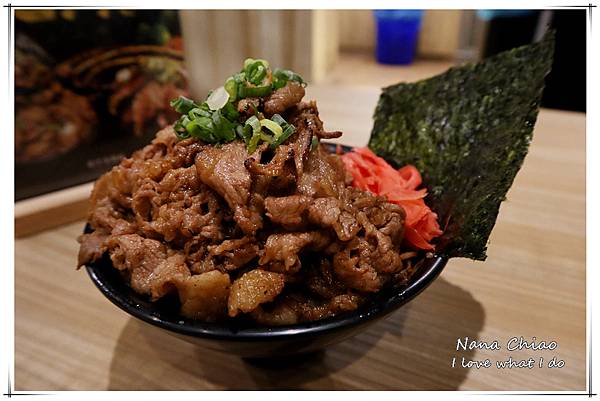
[(467, 130)]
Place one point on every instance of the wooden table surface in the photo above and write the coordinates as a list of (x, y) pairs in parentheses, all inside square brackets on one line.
[(68, 336)]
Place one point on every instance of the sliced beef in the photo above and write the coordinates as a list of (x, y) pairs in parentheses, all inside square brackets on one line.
[(204, 296), (204, 215), (92, 246), (139, 257), (233, 253), (222, 168), (186, 217), (296, 308), (164, 278), (354, 269), (380, 251), (283, 98), (180, 181), (282, 250), (324, 175), (252, 289), (288, 211), (329, 213), (275, 167), (305, 118), (321, 280)]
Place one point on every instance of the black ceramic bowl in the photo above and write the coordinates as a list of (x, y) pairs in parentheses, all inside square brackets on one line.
[(260, 341)]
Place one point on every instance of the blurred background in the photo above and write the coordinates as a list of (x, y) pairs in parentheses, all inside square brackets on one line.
[(366, 47), (91, 86)]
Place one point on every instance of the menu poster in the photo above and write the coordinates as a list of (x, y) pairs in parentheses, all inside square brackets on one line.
[(91, 86)]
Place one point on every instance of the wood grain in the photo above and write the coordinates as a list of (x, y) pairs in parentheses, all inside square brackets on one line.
[(533, 284), (50, 210)]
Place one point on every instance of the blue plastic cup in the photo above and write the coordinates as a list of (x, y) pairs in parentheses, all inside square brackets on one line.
[(397, 35)]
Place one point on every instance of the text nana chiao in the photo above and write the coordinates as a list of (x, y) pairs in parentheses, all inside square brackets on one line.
[(514, 344)]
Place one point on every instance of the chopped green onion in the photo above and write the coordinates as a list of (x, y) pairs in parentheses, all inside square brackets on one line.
[(230, 112), (266, 137), (285, 135), (240, 77), (278, 83), (253, 143), (223, 128), (247, 133), (239, 130), (272, 126), (198, 112), (281, 77), (249, 62), (201, 128), (257, 75), (253, 91), (252, 137), (254, 122), (287, 130), (179, 127), (256, 70), (279, 120), (231, 88), (217, 98), (216, 120), (183, 135), (182, 104)]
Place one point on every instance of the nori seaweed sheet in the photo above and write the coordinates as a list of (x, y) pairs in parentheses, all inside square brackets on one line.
[(467, 131)]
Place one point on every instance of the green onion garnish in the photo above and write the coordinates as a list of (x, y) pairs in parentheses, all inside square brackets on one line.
[(231, 88), (239, 131), (250, 64), (266, 137), (182, 104), (201, 128), (217, 120), (278, 119), (217, 99), (281, 78), (253, 143), (253, 122), (287, 130), (224, 129), (256, 71), (179, 127), (230, 112), (272, 126), (199, 112), (253, 91)]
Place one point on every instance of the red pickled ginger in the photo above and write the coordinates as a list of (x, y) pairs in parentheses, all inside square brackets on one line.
[(371, 173)]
